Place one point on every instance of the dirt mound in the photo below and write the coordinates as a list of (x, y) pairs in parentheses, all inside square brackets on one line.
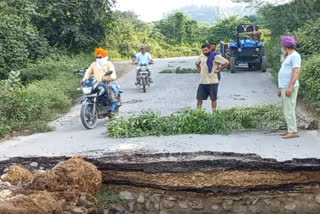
[(37, 203), (73, 175), (48, 192), (18, 175)]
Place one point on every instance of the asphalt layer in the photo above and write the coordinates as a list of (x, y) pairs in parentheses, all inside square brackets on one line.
[(168, 94), (148, 170)]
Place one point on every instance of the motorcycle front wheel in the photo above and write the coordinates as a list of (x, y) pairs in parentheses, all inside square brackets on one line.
[(88, 116), (144, 84)]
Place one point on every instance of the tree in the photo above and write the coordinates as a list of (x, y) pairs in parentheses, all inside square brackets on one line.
[(310, 8), (178, 29), (173, 28), (74, 24), (20, 41), (308, 38), (226, 29), (283, 18)]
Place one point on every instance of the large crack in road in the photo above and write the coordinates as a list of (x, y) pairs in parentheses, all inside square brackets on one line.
[(198, 172)]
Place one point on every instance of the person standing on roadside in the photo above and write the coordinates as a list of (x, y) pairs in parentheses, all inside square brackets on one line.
[(209, 81), (213, 46), (213, 53), (289, 84)]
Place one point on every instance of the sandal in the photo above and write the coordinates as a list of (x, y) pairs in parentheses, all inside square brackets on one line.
[(291, 135)]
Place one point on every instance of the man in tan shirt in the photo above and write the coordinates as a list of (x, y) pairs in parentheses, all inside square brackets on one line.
[(209, 81), (100, 67), (256, 34), (97, 70)]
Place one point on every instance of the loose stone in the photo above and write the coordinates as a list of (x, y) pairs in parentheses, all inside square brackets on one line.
[(141, 199), (290, 206), (126, 195), (34, 164)]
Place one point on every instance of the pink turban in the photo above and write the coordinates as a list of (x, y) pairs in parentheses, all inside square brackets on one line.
[(288, 41)]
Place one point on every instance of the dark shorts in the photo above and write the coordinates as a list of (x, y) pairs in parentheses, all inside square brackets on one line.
[(206, 90)]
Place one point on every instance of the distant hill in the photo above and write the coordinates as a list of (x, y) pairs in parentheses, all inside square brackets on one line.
[(211, 15)]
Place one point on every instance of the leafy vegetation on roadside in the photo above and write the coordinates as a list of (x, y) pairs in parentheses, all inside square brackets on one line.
[(180, 70), (310, 81), (48, 90), (266, 117)]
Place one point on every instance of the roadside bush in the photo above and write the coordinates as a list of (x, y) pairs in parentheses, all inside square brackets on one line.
[(310, 81), (180, 70), (7, 108), (31, 107), (58, 67), (49, 90), (50, 95), (266, 117)]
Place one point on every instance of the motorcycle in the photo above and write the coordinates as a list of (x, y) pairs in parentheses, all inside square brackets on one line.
[(96, 101), (143, 77)]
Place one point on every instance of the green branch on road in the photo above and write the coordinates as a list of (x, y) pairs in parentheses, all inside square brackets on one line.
[(265, 117), (180, 70)]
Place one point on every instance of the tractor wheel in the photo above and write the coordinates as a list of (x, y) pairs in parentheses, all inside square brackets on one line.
[(264, 64), (232, 64)]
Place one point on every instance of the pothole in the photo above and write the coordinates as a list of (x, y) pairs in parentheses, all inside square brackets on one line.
[(204, 182)]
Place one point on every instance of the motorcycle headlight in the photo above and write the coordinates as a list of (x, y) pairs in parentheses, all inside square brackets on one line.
[(87, 90), (239, 49), (257, 49)]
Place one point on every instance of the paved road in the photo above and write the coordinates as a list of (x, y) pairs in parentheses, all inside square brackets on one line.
[(170, 93)]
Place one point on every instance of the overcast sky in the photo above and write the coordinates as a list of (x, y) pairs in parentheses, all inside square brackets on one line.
[(153, 10)]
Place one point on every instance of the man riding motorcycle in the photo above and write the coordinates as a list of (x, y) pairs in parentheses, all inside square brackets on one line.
[(143, 58), (98, 70)]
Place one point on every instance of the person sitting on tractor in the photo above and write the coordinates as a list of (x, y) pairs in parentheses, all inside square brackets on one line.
[(256, 34), (143, 58)]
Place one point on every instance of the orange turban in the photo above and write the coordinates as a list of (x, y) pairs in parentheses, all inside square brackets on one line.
[(102, 52)]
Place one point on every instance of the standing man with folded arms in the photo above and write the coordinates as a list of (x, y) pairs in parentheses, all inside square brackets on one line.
[(209, 81)]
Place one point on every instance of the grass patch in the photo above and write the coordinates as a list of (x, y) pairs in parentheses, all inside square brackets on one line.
[(108, 197), (46, 89), (265, 117), (180, 70)]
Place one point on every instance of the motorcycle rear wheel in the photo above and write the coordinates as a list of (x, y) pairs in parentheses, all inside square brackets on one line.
[(88, 119)]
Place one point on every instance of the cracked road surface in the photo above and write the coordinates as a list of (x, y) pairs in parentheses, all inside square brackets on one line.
[(168, 94)]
